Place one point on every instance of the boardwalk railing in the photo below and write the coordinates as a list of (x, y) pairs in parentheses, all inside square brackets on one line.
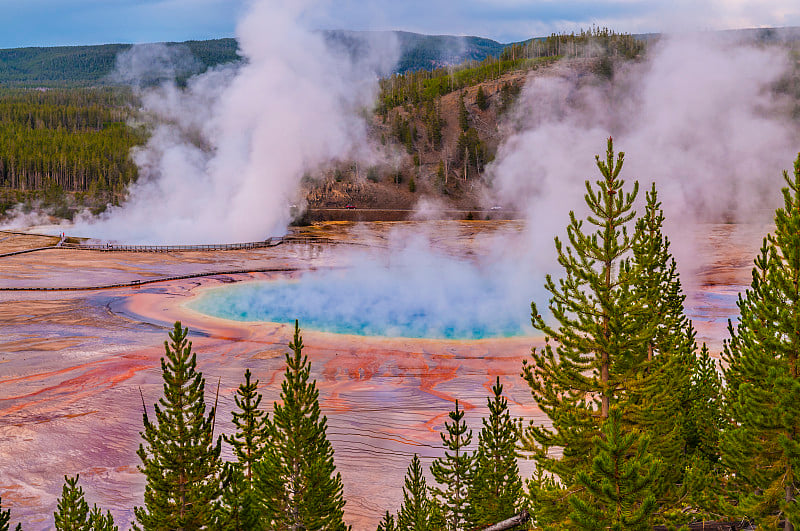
[(269, 242)]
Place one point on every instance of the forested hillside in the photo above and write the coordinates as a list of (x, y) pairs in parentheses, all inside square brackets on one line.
[(447, 120), (68, 145), (91, 65), (75, 140)]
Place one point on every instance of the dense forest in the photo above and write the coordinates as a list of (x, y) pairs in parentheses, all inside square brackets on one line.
[(54, 141), (426, 85), (644, 429), (63, 66), (71, 66)]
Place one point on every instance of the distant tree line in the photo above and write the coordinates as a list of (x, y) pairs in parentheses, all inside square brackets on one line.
[(90, 66), (426, 85), (67, 140)]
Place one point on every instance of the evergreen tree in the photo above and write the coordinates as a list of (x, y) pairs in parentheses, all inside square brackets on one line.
[(101, 522), (463, 115), (239, 507), (416, 512), (619, 483), (387, 523), (657, 400), (763, 376), (5, 519), (470, 149), (657, 282), (251, 435), (495, 491), (597, 347), (73, 512), (181, 459), (72, 509), (454, 471), (704, 476), (705, 419), (296, 479), (481, 100), (434, 124)]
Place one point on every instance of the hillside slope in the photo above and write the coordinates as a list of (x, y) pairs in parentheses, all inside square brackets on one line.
[(92, 65)]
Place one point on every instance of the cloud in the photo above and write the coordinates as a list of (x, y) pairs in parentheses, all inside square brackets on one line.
[(512, 20), (80, 22), (52, 22)]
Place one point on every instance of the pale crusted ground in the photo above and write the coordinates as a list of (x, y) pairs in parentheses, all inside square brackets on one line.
[(72, 362)]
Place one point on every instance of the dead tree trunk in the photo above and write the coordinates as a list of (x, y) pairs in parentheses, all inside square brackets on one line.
[(510, 523)]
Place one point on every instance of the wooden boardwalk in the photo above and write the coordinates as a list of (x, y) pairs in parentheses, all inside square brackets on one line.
[(112, 247)]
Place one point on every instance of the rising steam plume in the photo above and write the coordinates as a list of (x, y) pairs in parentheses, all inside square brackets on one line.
[(228, 152), (699, 117)]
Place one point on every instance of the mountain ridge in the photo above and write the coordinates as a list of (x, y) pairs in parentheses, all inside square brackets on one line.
[(91, 65)]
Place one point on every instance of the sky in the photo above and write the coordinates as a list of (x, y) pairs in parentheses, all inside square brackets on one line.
[(73, 22)]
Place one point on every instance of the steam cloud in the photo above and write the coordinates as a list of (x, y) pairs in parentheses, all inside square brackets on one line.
[(418, 292), (149, 64), (698, 117), (225, 160)]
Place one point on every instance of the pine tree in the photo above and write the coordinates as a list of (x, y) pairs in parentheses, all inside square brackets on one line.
[(463, 114), (597, 347), (101, 522), (5, 519), (495, 491), (251, 435), (296, 478), (387, 523), (657, 398), (705, 418), (73, 512), (72, 509), (704, 475), (239, 507), (619, 483), (763, 376), (481, 100), (181, 459), (454, 471), (416, 512), (434, 124)]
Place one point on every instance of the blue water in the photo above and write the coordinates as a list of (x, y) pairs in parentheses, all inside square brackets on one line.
[(454, 305)]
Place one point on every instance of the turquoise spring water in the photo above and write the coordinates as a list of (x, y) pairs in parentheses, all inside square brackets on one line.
[(376, 304)]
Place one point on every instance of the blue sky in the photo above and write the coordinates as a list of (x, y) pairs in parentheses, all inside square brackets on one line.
[(68, 22)]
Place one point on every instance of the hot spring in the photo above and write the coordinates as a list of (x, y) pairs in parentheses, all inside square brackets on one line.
[(455, 301)]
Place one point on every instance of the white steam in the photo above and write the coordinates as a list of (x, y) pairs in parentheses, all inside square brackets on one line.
[(152, 63), (698, 117), (410, 290), (226, 158)]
